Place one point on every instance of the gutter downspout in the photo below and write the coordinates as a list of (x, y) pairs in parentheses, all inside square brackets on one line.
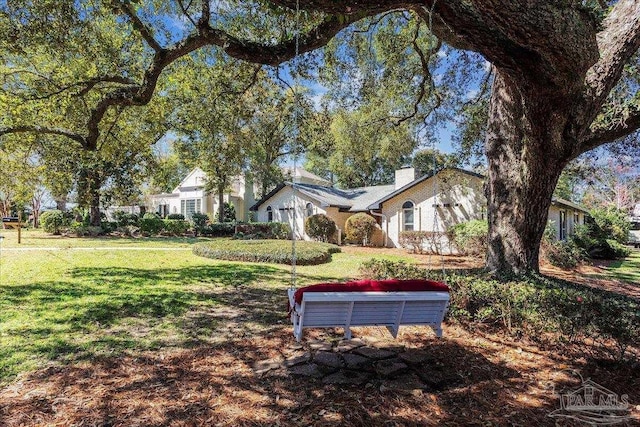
[(385, 231)]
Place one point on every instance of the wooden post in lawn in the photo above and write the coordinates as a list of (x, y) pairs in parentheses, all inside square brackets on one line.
[(19, 226)]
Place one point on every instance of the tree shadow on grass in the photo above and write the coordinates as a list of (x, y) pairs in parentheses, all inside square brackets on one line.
[(110, 310)]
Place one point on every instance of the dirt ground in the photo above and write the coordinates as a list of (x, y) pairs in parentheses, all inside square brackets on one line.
[(477, 378)]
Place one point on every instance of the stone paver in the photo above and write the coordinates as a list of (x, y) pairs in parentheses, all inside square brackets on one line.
[(329, 359), (391, 367), (297, 360), (348, 345), (307, 370), (374, 353), (346, 377), (415, 357), (262, 366), (355, 361)]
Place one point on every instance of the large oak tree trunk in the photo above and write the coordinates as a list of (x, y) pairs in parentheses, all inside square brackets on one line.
[(525, 161)]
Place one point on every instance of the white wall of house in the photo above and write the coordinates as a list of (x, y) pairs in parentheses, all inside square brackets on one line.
[(281, 205), (564, 220), (458, 196)]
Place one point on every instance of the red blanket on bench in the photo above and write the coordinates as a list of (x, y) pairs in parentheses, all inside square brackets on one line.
[(390, 285)]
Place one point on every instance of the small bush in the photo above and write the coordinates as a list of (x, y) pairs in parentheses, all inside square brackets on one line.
[(217, 229), (109, 226), (470, 237), (125, 219), (263, 230), (229, 213), (381, 269), (176, 216), (535, 307), (271, 251), (79, 229), (199, 221), (359, 228), (611, 223), (151, 224), (53, 221), (175, 227), (320, 227), (414, 241)]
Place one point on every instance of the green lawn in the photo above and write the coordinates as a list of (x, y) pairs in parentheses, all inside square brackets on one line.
[(628, 269), (39, 239), (62, 304)]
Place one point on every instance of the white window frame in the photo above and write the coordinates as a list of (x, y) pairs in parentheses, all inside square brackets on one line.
[(269, 214), (411, 211)]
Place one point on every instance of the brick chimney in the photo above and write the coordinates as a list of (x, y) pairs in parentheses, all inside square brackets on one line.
[(404, 176)]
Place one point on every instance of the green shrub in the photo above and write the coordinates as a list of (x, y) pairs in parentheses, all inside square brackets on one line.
[(593, 242), (79, 229), (414, 241), (380, 269), (176, 216), (53, 221), (359, 228), (175, 227), (535, 307), (320, 227), (470, 237), (229, 213), (199, 221), (611, 223), (271, 251), (109, 226), (125, 219), (263, 230), (219, 229), (151, 224)]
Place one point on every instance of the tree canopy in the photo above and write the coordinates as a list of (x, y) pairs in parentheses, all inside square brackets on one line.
[(564, 75)]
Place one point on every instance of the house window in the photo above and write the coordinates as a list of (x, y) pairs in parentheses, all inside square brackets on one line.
[(190, 206), (563, 225), (163, 210), (309, 209), (269, 214), (407, 216), (576, 219)]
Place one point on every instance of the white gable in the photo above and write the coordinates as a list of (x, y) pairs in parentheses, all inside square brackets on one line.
[(195, 178)]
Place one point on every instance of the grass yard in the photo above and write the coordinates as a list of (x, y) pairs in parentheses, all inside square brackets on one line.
[(156, 337), (628, 269)]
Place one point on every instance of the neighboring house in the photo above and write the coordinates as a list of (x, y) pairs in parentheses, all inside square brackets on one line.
[(190, 196), (430, 203)]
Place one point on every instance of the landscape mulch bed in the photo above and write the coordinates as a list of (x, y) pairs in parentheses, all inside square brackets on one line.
[(477, 378)]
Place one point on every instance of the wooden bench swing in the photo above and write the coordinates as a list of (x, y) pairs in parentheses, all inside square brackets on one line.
[(389, 303)]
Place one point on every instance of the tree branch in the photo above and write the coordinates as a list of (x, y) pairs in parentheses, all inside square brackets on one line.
[(619, 40), (624, 123), (44, 131), (126, 8)]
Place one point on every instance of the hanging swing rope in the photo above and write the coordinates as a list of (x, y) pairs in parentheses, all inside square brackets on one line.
[(294, 193)]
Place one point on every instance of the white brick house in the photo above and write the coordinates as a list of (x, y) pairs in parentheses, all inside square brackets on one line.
[(431, 203)]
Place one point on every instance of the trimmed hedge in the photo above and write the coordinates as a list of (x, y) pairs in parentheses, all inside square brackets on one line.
[(533, 306), (151, 224), (175, 227), (263, 230), (271, 251)]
